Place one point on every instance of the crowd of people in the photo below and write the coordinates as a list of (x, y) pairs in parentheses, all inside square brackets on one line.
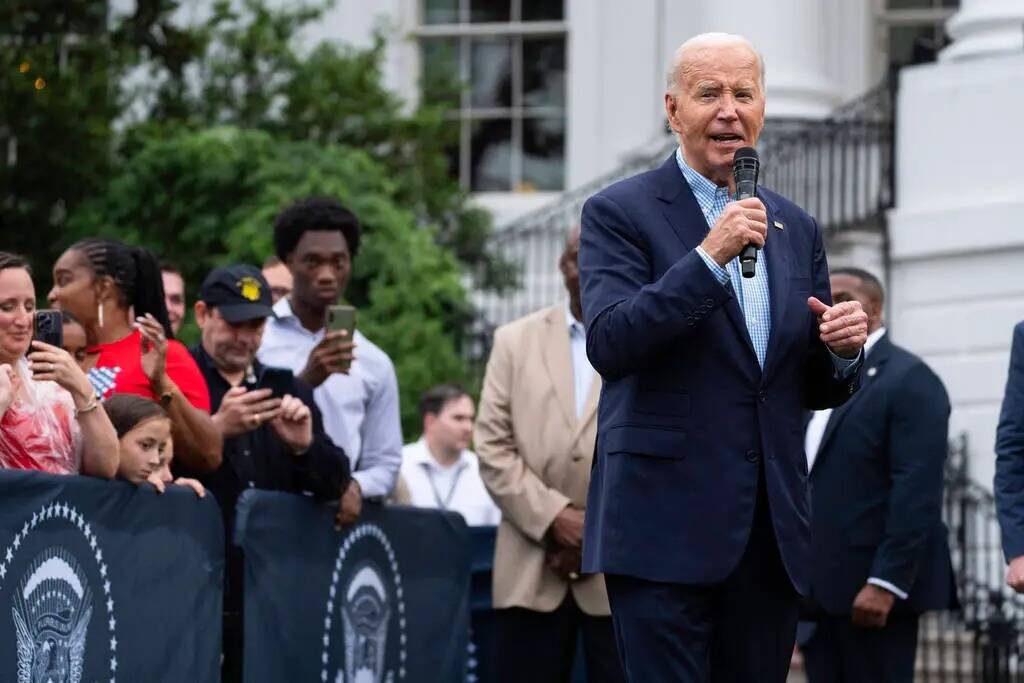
[(668, 526)]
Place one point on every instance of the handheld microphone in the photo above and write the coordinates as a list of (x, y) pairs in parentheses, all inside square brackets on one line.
[(745, 167)]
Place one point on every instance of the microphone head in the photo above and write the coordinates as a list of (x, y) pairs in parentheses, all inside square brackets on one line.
[(745, 157), (745, 164)]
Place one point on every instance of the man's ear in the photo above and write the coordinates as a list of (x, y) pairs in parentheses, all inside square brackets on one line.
[(428, 422), (672, 111), (202, 312)]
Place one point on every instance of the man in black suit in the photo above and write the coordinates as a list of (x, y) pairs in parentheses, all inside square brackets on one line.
[(880, 551)]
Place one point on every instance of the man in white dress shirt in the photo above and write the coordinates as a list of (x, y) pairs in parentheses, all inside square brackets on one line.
[(439, 471), (353, 380)]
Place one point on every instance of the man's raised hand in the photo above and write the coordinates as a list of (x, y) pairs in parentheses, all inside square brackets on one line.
[(843, 327)]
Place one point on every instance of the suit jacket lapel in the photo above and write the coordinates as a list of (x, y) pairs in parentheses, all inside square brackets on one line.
[(684, 214), (873, 367), (776, 253), (558, 361)]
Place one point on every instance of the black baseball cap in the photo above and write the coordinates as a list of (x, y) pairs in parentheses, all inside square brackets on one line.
[(239, 292)]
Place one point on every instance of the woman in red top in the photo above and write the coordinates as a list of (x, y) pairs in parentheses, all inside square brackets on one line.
[(103, 283), (50, 419)]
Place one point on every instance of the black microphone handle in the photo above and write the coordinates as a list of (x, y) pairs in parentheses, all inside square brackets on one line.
[(748, 257), (748, 261)]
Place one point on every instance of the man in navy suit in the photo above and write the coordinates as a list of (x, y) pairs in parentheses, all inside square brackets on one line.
[(1009, 479), (880, 552), (697, 510)]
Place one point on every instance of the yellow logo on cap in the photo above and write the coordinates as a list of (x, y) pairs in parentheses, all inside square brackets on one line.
[(249, 288)]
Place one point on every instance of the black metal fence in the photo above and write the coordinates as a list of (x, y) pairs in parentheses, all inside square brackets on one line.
[(984, 641)]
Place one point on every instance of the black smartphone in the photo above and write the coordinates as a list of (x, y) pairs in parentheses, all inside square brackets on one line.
[(278, 380), (49, 328)]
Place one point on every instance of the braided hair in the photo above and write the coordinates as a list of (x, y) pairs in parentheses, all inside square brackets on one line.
[(135, 272)]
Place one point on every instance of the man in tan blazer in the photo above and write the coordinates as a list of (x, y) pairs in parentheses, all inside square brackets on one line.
[(535, 436)]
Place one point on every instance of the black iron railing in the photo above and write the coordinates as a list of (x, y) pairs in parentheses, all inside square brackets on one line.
[(984, 641)]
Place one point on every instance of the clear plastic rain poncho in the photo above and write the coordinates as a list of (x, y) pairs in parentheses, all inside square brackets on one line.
[(39, 430)]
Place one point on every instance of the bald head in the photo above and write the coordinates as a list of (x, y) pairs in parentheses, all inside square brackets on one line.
[(572, 238), (569, 265), (687, 54)]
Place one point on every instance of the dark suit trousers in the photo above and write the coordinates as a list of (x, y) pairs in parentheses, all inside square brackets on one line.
[(539, 647), (839, 652), (738, 631)]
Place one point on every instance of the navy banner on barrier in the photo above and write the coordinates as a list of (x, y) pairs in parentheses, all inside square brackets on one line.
[(106, 581), (385, 601)]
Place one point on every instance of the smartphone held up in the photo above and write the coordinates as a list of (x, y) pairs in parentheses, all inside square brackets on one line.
[(342, 317)]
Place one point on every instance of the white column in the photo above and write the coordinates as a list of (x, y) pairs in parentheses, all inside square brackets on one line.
[(792, 35), (955, 233), (984, 28)]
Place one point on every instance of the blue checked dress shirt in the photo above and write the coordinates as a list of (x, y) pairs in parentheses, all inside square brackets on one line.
[(751, 293)]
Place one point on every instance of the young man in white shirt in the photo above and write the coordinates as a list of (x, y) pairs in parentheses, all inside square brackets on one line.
[(439, 471), (353, 380)]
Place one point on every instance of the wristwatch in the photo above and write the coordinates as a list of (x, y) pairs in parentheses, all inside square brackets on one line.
[(166, 396)]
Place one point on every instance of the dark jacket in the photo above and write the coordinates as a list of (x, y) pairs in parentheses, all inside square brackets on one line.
[(259, 459), (687, 417), (876, 486), (1009, 479)]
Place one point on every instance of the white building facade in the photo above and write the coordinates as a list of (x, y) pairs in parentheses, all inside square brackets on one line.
[(561, 95)]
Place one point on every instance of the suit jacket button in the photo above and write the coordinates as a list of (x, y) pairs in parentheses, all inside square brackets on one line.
[(753, 456), (762, 396), (709, 302)]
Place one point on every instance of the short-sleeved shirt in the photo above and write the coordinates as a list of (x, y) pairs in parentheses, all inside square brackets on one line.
[(118, 370)]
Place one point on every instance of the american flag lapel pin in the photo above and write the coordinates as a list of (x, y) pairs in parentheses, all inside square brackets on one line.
[(779, 225)]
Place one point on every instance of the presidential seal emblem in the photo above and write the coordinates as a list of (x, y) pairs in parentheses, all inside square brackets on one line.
[(63, 630), (364, 628)]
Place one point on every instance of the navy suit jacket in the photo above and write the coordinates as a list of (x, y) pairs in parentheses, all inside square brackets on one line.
[(687, 416), (1009, 479), (876, 489)]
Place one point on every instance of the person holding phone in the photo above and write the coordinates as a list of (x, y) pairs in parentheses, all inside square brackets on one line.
[(273, 432), (50, 419), (116, 292), (354, 380)]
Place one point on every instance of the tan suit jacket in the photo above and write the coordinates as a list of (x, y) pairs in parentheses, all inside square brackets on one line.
[(535, 458)]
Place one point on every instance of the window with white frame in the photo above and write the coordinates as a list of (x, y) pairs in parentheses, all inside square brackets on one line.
[(913, 31), (510, 113)]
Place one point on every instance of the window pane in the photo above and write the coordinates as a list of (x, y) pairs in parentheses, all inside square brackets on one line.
[(441, 11), (910, 4), (451, 140), (543, 10), (491, 156), (543, 154), (491, 72), (544, 72), (912, 44), (441, 71), (489, 10)]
